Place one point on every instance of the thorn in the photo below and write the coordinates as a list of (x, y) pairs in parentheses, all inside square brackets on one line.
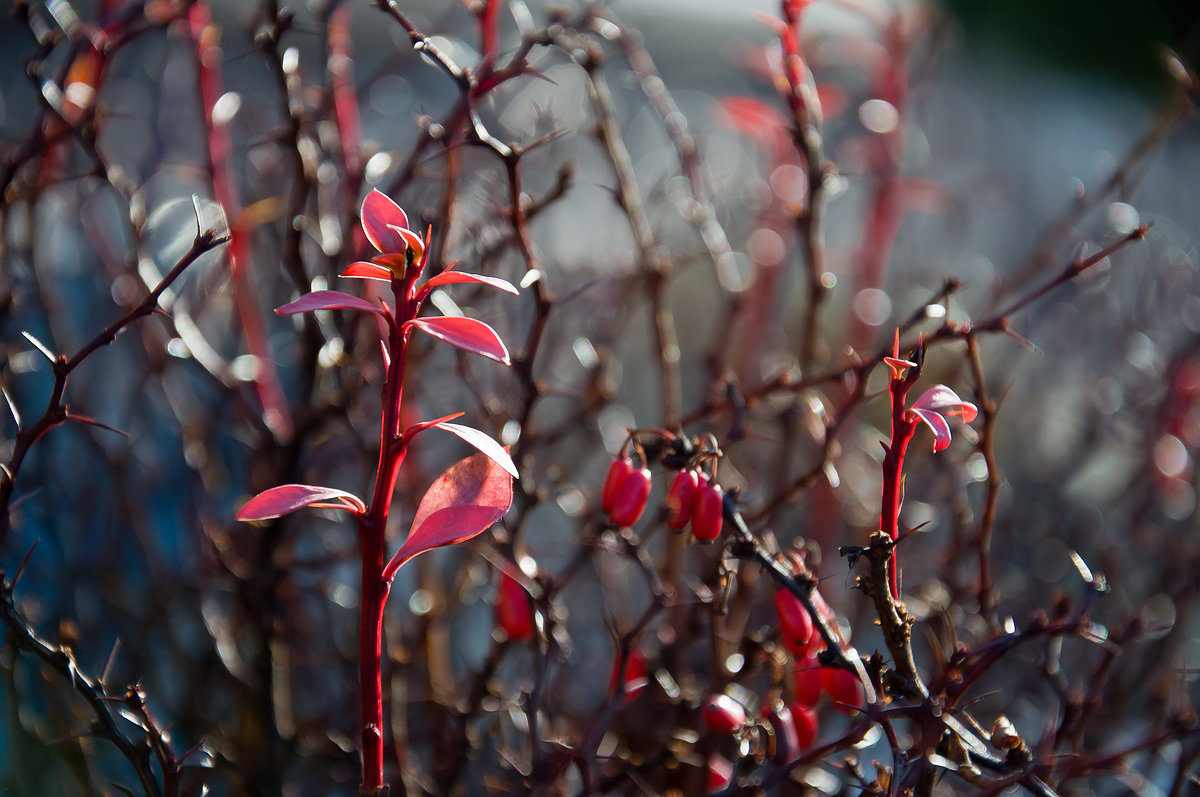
[(39, 346), (12, 408), (21, 569)]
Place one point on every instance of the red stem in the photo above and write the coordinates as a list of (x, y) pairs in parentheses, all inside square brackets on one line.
[(370, 654), (903, 429), (372, 530)]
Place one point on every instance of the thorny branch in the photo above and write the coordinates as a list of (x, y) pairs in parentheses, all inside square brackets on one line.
[(143, 754)]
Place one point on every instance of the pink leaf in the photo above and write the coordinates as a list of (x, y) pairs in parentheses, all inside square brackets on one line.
[(484, 443), (940, 398), (328, 300), (464, 501), (937, 424), (369, 271), (380, 215), (448, 277), (465, 333), (290, 497), (937, 402)]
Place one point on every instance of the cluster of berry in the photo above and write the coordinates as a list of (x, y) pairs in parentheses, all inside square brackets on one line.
[(793, 725), (693, 498), (811, 678)]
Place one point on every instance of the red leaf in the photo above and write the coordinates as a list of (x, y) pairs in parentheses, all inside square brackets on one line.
[(464, 501), (409, 431), (328, 300), (368, 271), (449, 277), (465, 333), (290, 497), (380, 215)]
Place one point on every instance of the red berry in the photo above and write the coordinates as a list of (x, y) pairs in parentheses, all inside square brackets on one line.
[(708, 513), (513, 611), (844, 688), (720, 772), (808, 682), (723, 714), (795, 623), (635, 674), (631, 498), (804, 719), (618, 471), (680, 497)]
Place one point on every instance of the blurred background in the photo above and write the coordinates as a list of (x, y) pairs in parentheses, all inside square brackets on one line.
[(988, 143)]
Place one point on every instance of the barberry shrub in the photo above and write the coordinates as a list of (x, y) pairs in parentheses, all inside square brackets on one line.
[(797, 443)]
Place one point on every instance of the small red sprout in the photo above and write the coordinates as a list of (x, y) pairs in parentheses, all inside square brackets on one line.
[(931, 409), (462, 503)]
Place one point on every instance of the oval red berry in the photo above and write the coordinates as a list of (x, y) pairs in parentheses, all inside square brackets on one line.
[(720, 772), (808, 682), (844, 688), (635, 674), (795, 623), (708, 513), (804, 719), (680, 497), (618, 471), (514, 613), (723, 714), (631, 498)]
